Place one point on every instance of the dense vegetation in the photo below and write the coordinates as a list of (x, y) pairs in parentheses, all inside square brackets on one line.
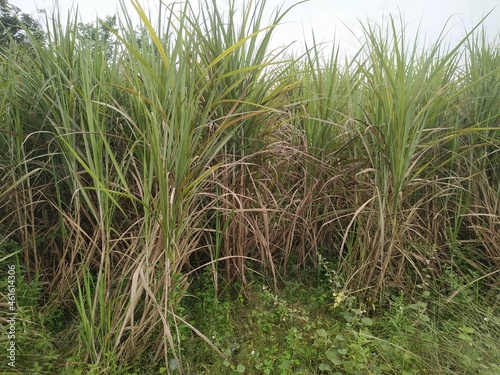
[(178, 197)]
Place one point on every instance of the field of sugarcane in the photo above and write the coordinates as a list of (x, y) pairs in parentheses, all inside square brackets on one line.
[(179, 197)]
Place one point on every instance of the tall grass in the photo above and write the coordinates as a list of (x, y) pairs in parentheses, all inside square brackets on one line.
[(405, 93), (129, 166)]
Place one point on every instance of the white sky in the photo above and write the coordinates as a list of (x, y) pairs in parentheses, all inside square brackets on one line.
[(330, 19)]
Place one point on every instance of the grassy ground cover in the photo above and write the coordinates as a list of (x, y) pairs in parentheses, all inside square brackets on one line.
[(178, 198)]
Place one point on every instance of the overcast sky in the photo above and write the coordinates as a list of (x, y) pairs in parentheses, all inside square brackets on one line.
[(331, 19)]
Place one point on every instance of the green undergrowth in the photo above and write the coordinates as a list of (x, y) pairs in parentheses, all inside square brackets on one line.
[(316, 327), (34, 333)]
